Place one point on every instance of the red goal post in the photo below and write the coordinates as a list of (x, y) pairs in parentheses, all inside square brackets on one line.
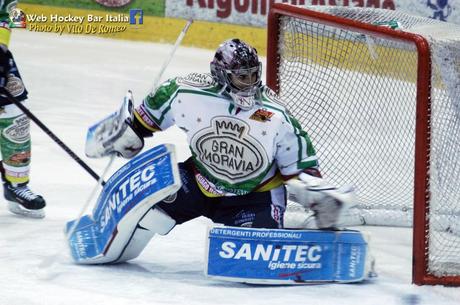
[(318, 33)]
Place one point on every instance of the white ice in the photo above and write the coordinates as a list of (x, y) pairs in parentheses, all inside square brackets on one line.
[(74, 81)]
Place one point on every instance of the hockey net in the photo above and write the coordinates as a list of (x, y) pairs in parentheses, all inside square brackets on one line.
[(378, 91)]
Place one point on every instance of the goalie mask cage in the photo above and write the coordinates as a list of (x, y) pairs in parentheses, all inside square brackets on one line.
[(378, 91)]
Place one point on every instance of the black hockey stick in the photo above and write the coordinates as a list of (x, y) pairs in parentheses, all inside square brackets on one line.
[(31, 116)]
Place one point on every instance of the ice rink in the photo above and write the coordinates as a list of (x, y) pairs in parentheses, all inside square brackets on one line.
[(73, 81)]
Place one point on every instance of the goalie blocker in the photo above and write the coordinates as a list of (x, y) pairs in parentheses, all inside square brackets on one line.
[(268, 256)]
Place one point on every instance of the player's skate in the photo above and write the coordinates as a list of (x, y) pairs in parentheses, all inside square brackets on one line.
[(22, 201)]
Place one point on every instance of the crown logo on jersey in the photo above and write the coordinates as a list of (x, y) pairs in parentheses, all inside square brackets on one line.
[(223, 127)]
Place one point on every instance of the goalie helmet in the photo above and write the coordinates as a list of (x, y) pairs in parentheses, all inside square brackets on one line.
[(236, 66)]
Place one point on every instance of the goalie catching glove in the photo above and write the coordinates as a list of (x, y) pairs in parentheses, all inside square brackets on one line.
[(327, 202), (115, 134)]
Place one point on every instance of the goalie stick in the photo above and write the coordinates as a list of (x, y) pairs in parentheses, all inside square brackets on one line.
[(171, 55)]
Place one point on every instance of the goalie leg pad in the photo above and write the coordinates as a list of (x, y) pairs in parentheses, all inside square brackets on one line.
[(123, 220), (275, 256)]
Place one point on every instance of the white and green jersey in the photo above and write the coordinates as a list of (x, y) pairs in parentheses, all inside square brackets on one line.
[(235, 152)]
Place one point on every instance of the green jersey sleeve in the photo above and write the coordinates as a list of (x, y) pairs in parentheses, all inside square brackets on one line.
[(155, 111)]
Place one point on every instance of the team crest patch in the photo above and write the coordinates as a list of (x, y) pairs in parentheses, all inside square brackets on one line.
[(197, 80), (18, 132), (261, 115), (228, 152), (14, 85)]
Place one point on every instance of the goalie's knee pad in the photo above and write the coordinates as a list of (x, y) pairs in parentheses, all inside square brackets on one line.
[(156, 221)]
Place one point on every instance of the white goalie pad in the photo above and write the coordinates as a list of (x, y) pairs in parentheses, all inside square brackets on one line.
[(327, 202), (114, 134), (288, 257), (125, 217), (128, 244)]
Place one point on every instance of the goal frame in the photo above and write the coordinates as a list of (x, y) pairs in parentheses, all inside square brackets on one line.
[(420, 274)]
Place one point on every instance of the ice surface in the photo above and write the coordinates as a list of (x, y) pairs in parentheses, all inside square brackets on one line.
[(74, 81)]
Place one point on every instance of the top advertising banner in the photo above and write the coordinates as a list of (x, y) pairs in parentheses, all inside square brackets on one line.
[(254, 12)]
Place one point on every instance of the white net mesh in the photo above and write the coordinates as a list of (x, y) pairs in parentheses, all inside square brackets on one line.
[(355, 95)]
